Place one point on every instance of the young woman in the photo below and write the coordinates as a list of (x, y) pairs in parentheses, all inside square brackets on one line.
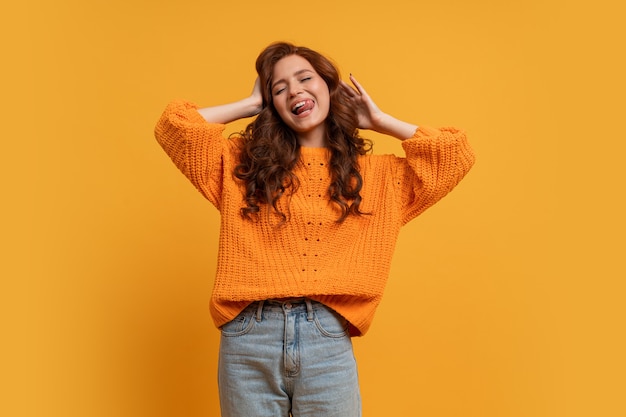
[(309, 221)]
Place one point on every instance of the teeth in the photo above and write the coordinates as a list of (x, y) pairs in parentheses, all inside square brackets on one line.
[(297, 106)]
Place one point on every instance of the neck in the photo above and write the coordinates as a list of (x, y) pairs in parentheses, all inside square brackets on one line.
[(312, 139)]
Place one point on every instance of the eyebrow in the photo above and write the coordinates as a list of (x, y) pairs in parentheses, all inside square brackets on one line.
[(299, 72)]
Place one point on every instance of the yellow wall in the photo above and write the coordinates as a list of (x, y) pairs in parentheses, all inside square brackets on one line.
[(506, 299)]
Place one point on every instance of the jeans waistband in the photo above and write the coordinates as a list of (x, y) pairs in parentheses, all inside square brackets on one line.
[(285, 304), (281, 301)]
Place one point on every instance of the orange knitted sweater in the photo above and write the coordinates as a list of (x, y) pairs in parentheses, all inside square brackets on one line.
[(342, 265)]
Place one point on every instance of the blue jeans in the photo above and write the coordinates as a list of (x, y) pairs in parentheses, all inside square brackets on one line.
[(281, 358)]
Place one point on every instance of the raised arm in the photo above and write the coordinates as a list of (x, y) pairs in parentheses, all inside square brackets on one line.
[(436, 159), (226, 113), (371, 117)]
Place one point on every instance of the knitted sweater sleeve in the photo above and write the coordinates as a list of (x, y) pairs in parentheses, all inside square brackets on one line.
[(436, 160), (195, 146)]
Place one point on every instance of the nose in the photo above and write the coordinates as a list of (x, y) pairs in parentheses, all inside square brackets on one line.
[(295, 90)]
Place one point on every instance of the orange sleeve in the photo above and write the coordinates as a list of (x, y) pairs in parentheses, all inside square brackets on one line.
[(195, 146), (436, 161)]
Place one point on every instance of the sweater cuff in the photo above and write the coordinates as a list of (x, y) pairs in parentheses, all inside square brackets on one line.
[(426, 131), (185, 110)]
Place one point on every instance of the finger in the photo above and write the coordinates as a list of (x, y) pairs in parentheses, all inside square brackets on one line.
[(349, 89), (358, 86), (257, 86), (362, 93)]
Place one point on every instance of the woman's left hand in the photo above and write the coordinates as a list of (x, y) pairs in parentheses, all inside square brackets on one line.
[(371, 117), (368, 113)]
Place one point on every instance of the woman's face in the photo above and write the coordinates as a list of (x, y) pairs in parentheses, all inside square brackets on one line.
[(301, 97)]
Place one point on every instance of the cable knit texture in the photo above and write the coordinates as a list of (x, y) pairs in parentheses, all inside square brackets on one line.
[(343, 265)]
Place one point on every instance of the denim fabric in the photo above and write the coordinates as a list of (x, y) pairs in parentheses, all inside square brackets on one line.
[(281, 358)]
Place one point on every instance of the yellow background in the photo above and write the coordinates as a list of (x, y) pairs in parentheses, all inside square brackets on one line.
[(506, 299)]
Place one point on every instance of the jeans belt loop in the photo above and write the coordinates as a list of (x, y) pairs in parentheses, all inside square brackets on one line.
[(309, 309), (259, 311)]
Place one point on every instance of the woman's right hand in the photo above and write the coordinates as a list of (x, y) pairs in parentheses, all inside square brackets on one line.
[(226, 113), (256, 97)]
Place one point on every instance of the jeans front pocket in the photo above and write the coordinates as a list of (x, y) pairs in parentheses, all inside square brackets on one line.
[(241, 324), (329, 322)]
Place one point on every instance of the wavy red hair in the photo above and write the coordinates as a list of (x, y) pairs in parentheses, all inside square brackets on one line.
[(270, 149)]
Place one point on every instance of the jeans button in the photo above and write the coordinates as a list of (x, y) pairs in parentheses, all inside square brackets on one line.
[(288, 306)]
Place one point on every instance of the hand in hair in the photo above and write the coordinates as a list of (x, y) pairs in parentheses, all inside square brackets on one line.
[(226, 113), (256, 96), (371, 117)]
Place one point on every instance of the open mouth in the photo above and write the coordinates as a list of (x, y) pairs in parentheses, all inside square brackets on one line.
[(302, 106)]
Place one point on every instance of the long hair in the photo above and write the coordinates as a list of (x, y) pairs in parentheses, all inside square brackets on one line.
[(270, 149)]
